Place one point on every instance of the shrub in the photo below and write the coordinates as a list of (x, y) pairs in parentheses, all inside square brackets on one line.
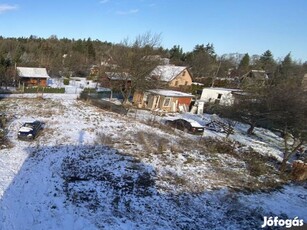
[(43, 90), (66, 81)]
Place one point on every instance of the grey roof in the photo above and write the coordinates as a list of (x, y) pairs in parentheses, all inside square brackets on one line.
[(257, 74), (167, 72), (117, 76), (29, 72)]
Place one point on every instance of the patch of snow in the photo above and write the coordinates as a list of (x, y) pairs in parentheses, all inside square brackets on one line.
[(68, 179)]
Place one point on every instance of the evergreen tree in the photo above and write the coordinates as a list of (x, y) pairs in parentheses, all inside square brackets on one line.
[(244, 65), (210, 50), (267, 62), (201, 61), (176, 55), (90, 49), (287, 66)]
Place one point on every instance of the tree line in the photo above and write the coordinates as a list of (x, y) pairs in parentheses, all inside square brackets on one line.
[(67, 57)]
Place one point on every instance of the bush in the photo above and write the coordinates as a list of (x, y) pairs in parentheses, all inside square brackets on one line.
[(43, 90), (89, 90), (66, 81)]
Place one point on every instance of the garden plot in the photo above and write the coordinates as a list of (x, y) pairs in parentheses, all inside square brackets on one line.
[(92, 169)]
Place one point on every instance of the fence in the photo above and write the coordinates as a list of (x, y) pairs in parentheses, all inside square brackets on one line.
[(103, 104)]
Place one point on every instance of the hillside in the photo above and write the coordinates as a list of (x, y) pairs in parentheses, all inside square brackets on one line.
[(93, 169)]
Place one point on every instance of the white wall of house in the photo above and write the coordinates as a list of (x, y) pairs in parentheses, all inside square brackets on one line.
[(82, 83), (220, 96)]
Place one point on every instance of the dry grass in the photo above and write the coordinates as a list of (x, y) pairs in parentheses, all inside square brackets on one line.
[(159, 125), (105, 139), (151, 142), (144, 140), (163, 145)]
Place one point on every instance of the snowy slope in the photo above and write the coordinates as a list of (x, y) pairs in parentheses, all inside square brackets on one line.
[(69, 179)]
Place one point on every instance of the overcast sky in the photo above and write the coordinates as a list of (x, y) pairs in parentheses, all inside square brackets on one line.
[(243, 26)]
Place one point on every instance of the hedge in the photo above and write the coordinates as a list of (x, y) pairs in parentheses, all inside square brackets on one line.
[(43, 90)]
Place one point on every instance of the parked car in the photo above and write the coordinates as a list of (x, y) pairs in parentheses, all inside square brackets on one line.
[(30, 130), (186, 125)]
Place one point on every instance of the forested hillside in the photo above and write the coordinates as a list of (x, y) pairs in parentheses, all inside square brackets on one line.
[(66, 57)]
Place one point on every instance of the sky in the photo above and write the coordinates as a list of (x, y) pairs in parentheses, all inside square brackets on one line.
[(232, 26)]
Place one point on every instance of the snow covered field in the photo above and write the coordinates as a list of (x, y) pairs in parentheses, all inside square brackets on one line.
[(92, 169)]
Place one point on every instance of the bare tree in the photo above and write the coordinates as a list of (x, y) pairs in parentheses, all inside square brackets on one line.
[(287, 111), (281, 106), (249, 107), (134, 63)]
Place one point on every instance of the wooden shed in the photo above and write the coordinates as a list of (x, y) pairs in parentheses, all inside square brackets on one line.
[(32, 76), (166, 100)]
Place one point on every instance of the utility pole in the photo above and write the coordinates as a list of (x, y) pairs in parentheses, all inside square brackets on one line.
[(213, 80)]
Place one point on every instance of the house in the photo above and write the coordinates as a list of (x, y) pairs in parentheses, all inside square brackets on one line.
[(221, 96), (176, 77), (33, 76), (253, 77), (157, 59), (82, 82), (161, 99), (94, 70), (115, 80)]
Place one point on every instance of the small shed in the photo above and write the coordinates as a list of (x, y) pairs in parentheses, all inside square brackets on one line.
[(33, 76), (221, 96), (167, 100)]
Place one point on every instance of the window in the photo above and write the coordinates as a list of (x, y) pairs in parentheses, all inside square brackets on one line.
[(176, 83), (218, 99), (186, 83), (183, 73), (167, 102)]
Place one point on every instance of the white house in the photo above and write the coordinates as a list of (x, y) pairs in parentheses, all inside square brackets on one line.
[(221, 96)]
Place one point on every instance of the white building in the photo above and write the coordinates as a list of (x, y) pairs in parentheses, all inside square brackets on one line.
[(221, 96)]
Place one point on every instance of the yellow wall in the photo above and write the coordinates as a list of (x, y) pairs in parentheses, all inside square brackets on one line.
[(184, 78), (138, 99)]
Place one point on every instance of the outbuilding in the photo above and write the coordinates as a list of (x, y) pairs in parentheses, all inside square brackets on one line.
[(32, 76), (221, 96), (166, 100)]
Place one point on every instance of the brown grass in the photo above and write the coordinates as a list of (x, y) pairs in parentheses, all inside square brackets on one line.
[(105, 139)]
